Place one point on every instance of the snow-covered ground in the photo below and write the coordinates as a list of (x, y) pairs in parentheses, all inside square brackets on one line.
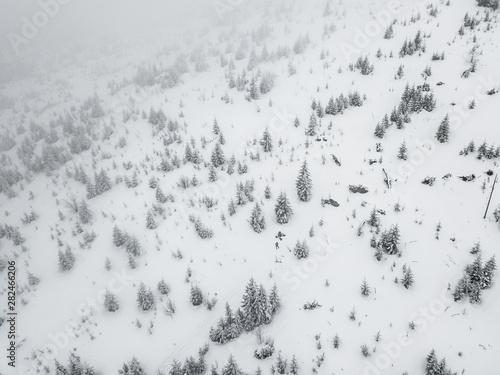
[(95, 109)]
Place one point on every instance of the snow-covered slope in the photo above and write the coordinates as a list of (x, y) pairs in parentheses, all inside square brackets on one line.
[(98, 108)]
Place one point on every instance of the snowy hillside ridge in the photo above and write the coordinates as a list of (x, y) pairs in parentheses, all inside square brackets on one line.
[(250, 187)]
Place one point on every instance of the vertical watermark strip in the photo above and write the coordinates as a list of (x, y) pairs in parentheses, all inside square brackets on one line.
[(11, 314)]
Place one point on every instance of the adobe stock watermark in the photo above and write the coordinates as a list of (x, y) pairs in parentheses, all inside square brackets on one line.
[(458, 116), (364, 37), (302, 270), (31, 26), (59, 341), (422, 319)]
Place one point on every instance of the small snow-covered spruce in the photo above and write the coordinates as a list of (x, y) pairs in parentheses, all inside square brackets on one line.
[(176, 368), (257, 220), (131, 262), (488, 271), (403, 152), (132, 245), (379, 131), (150, 221), (336, 341), (266, 141), (304, 183), (365, 351), (313, 124), (145, 298), (265, 351), (32, 279), (301, 250), (267, 192), (84, 213), (374, 220), (66, 259), (196, 295), (365, 289), (217, 157), (476, 248), (215, 127), (111, 302), (407, 279), (274, 301), (294, 366), (281, 364), (389, 32), (443, 132), (253, 89), (231, 367), (296, 122), (231, 208), (133, 367), (212, 175), (159, 195), (163, 287), (283, 210)]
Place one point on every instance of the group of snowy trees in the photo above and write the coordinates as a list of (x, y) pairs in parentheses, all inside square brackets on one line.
[(132, 367), (364, 66), (201, 229), (484, 151), (131, 243), (493, 4), (434, 366), (337, 105), (412, 46), (259, 84), (66, 259), (157, 118), (101, 184), (74, 367), (389, 239), (257, 308), (11, 233), (476, 278), (413, 100), (282, 209)]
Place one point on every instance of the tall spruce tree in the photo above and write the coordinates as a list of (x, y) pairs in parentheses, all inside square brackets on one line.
[(257, 220), (304, 183), (283, 210), (266, 141), (217, 156), (443, 132), (313, 124)]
